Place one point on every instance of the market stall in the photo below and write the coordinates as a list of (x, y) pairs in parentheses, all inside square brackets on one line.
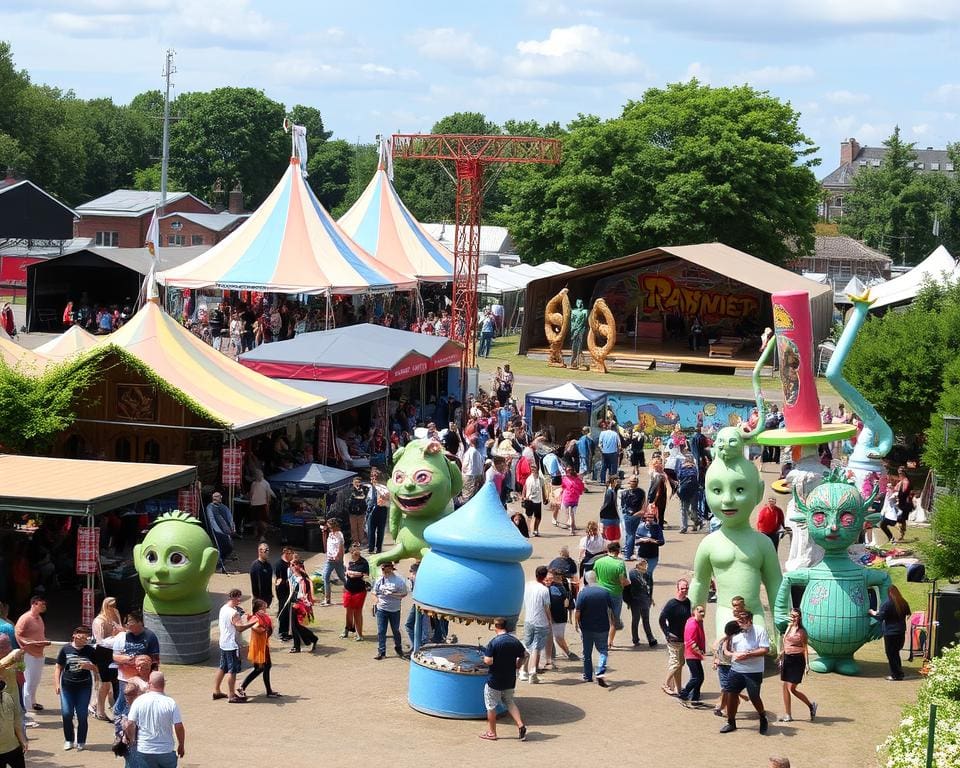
[(309, 494), (563, 411)]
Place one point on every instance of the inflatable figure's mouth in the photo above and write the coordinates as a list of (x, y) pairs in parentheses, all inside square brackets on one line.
[(413, 503), (832, 537), (729, 512)]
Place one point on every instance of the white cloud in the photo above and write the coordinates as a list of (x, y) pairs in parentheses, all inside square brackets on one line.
[(948, 92), (698, 71), (581, 49), (919, 130), (305, 69), (776, 75), (454, 47), (94, 25), (847, 97)]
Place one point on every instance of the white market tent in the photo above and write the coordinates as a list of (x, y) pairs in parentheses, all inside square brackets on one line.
[(509, 285), (937, 267)]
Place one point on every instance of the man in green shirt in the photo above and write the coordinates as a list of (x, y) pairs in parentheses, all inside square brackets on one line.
[(611, 574)]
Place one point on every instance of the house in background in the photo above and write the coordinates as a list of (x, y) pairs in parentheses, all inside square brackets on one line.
[(854, 158), (837, 259), (194, 229)]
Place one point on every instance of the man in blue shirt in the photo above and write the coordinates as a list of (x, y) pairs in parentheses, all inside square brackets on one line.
[(609, 442), (594, 611), (486, 334), (585, 447), (503, 655)]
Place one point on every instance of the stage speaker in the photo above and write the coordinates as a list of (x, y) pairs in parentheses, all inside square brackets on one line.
[(944, 617)]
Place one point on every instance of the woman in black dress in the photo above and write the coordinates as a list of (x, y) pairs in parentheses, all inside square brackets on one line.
[(637, 442), (893, 613)]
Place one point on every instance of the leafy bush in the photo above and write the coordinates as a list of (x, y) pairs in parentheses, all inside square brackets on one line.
[(906, 747), (941, 554)]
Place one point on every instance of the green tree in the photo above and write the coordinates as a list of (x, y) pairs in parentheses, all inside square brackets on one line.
[(329, 167), (229, 136), (892, 207), (364, 159), (686, 164)]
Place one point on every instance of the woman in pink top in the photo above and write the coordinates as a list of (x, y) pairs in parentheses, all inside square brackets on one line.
[(571, 490), (694, 649), (793, 662)]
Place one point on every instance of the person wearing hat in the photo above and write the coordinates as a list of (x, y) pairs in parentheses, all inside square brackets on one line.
[(389, 590)]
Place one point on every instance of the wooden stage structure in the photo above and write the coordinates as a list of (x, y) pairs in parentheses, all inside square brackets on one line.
[(670, 356)]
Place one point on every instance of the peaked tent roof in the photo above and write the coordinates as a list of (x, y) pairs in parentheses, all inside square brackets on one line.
[(364, 354), (70, 343), (569, 392), (16, 356), (905, 287), (290, 244), (311, 477), (242, 400), (380, 223)]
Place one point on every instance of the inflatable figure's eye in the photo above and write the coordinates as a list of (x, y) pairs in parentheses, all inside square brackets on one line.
[(178, 559), (847, 519), (740, 490), (151, 557), (398, 476), (819, 519), (422, 476)]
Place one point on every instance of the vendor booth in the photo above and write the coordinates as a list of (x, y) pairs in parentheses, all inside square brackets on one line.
[(562, 412), (310, 494), (36, 493)]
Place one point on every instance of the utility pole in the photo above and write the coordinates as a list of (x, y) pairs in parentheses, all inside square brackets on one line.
[(168, 70)]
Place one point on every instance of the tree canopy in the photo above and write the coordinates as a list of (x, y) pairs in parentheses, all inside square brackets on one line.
[(893, 207), (687, 163)]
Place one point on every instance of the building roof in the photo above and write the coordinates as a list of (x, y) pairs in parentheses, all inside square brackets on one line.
[(363, 353), (492, 239), (130, 202), (290, 244), (841, 247), (215, 222), (927, 160), (75, 487), (28, 212), (340, 395), (137, 259)]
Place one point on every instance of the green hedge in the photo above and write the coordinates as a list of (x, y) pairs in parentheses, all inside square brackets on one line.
[(906, 747)]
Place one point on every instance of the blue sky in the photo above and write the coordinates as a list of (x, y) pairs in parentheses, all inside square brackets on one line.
[(852, 68)]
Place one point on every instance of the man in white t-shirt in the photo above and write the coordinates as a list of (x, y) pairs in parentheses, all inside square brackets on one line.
[(472, 464), (151, 723), (537, 625), (748, 649), (230, 621)]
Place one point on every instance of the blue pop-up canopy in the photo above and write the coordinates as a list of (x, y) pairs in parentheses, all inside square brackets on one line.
[(318, 478)]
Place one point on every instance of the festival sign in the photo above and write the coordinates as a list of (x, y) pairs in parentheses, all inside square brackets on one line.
[(232, 466), (187, 500), (87, 606), (88, 550)]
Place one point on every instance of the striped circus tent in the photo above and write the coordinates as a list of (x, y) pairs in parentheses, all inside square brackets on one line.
[(290, 244), (68, 344), (381, 224), (216, 386)]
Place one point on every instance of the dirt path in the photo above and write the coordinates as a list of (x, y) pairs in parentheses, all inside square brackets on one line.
[(341, 706)]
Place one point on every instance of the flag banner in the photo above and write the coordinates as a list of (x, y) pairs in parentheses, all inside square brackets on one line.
[(88, 550), (232, 466)]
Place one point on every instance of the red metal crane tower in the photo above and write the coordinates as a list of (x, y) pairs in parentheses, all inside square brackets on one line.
[(470, 154)]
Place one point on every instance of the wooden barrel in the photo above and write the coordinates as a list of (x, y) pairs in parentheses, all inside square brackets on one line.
[(183, 639)]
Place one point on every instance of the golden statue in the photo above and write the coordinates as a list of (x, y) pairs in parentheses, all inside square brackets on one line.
[(556, 323), (602, 324)]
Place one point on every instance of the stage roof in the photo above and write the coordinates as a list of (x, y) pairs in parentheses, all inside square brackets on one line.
[(290, 244), (715, 257), (36, 484), (381, 224), (362, 354)]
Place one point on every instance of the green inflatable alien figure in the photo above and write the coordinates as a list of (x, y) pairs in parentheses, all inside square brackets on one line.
[(175, 562), (422, 487), (736, 556), (835, 600)]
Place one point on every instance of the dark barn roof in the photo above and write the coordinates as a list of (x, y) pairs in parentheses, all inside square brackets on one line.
[(29, 213)]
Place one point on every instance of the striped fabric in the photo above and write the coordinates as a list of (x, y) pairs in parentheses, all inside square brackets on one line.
[(381, 224), (68, 344), (290, 244)]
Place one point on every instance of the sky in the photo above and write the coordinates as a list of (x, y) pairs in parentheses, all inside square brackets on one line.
[(852, 68)]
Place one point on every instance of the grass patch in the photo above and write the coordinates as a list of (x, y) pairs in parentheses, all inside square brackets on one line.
[(504, 350)]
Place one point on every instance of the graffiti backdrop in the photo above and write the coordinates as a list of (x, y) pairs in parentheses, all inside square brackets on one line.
[(658, 413)]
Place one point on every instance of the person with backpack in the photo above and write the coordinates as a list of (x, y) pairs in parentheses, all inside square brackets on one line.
[(688, 489)]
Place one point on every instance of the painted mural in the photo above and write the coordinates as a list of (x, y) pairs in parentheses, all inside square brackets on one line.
[(684, 289), (658, 413)]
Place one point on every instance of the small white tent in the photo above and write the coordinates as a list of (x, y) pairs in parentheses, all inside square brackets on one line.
[(938, 266)]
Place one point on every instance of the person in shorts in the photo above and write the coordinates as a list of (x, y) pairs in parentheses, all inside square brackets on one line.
[(536, 622), (503, 655), (747, 651), (231, 620), (532, 495)]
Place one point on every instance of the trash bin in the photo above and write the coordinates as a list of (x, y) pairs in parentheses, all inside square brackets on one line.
[(314, 536)]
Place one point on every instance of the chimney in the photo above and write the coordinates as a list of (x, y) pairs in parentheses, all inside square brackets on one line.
[(849, 150), (235, 204)]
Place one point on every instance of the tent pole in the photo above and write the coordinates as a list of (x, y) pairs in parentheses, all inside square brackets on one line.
[(636, 325), (233, 444)]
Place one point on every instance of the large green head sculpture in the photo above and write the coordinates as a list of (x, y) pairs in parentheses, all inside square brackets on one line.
[(175, 563), (835, 512)]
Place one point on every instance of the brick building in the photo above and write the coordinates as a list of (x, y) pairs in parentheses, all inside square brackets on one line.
[(190, 229), (854, 158)]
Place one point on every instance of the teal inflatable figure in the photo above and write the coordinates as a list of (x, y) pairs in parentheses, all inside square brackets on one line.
[(835, 600), (422, 487)]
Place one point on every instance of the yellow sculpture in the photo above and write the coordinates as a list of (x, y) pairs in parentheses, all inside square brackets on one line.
[(602, 324), (556, 323)]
